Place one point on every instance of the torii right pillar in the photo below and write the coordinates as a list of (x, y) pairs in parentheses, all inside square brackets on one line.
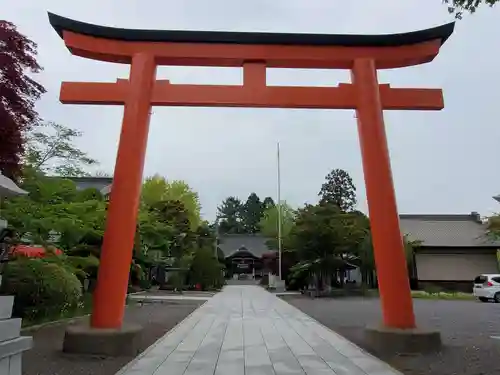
[(392, 272), (398, 333)]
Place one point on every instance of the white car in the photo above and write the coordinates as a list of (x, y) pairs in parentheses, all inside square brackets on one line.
[(487, 287)]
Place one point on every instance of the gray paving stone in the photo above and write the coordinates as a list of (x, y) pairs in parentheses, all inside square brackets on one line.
[(313, 365), (205, 358), (348, 368), (257, 361), (172, 368), (282, 358), (230, 368), (284, 362), (251, 333), (244, 330), (233, 339), (231, 362)]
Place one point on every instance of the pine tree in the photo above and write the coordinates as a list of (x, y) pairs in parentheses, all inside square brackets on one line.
[(339, 190)]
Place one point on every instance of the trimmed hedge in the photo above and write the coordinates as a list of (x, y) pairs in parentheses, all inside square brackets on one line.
[(42, 289)]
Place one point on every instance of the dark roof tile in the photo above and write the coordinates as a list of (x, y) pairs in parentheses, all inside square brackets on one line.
[(447, 230), (256, 244)]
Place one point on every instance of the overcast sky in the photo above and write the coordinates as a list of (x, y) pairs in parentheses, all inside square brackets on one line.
[(443, 162)]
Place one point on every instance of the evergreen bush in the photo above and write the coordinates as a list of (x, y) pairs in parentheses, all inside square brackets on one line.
[(42, 289), (206, 270)]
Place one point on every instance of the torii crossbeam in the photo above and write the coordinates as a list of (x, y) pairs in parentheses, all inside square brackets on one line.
[(144, 50)]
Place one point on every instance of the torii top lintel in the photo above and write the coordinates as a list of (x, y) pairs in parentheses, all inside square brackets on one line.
[(233, 49)]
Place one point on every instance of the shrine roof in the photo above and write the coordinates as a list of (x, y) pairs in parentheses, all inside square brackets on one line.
[(61, 24), (254, 244)]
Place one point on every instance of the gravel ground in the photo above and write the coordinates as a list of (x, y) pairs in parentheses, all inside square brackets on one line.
[(466, 328), (46, 357)]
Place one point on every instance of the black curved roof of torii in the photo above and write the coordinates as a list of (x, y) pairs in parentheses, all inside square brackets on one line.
[(61, 24)]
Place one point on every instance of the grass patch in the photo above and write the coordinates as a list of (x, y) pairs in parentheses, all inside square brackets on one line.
[(442, 295), (84, 308), (422, 294)]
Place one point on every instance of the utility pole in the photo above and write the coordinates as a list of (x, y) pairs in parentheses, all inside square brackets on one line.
[(279, 210)]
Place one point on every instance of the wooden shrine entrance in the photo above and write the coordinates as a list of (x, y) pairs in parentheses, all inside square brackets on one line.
[(144, 50)]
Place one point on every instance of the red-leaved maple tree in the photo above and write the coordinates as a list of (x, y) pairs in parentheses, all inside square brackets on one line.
[(18, 94)]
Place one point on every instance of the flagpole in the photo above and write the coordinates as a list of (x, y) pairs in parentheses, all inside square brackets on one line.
[(279, 210)]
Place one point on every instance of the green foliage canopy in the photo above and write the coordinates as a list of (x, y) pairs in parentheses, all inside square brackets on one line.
[(54, 208), (50, 149), (237, 217), (157, 189), (338, 189), (230, 214), (269, 224), (251, 213), (458, 7)]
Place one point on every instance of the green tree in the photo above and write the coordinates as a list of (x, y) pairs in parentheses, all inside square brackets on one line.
[(269, 224), (205, 235), (324, 238), (152, 235), (493, 226), (252, 213), (366, 257), (48, 190), (52, 151), (458, 7), (268, 202), (54, 213), (169, 224), (338, 189), (157, 189), (176, 217), (206, 269), (230, 215)]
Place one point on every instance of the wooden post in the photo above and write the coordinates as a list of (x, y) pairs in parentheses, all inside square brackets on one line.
[(392, 272), (116, 255)]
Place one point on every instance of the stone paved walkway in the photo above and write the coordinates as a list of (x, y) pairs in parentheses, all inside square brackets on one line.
[(245, 330)]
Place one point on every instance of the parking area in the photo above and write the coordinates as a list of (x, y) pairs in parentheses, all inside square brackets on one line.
[(470, 332)]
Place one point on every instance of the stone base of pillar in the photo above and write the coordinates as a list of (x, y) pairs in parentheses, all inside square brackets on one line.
[(83, 339), (411, 341)]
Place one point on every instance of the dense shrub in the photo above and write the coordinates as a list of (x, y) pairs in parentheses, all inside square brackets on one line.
[(85, 250), (89, 265), (84, 267), (42, 289), (206, 270)]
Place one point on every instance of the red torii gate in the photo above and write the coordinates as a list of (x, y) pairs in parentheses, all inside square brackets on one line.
[(144, 50)]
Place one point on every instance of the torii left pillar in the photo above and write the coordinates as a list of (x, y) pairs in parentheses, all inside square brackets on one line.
[(116, 254), (109, 336)]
